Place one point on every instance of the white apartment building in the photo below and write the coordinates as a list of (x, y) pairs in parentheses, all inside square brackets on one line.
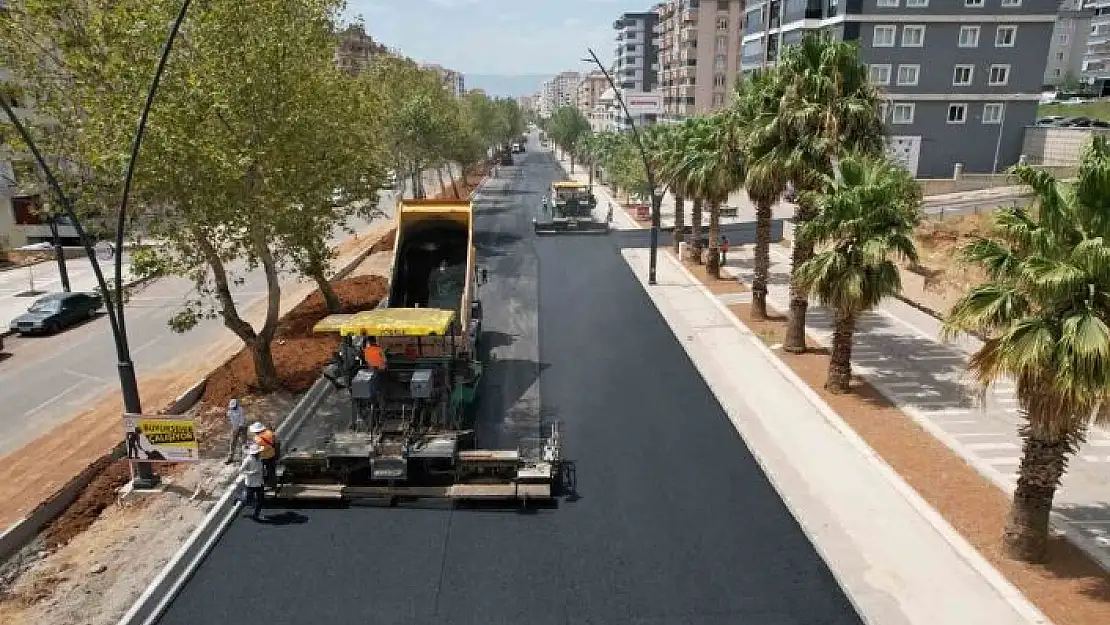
[(559, 91), (699, 54), (1096, 60), (1068, 48)]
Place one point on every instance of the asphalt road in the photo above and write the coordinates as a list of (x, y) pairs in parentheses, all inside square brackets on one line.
[(45, 380), (672, 521)]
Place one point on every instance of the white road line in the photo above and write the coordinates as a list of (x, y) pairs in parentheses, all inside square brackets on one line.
[(991, 446), (978, 434), (52, 400), (996, 462)]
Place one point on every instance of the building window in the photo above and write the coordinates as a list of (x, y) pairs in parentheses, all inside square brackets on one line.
[(907, 75), (957, 113), (973, 3), (1063, 39), (969, 37), (961, 77), (1005, 36), (1011, 3), (902, 113), (722, 44), (992, 113), (880, 74), (719, 62), (719, 80), (887, 3), (1059, 56), (917, 4), (722, 23), (913, 36), (883, 36), (718, 99), (999, 76)]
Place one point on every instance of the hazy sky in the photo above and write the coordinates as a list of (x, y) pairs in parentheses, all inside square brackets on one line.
[(497, 36)]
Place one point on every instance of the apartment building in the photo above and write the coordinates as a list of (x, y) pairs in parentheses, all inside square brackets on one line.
[(355, 49), (566, 89), (699, 53), (637, 51), (452, 81), (590, 89), (546, 97), (1096, 60), (1068, 47), (961, 78)]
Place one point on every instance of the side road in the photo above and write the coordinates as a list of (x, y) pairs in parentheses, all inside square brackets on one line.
[(897, 559)]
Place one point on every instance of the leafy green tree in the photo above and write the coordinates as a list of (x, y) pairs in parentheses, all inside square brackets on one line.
[(865, 218), (1044, 311), (566, 126)]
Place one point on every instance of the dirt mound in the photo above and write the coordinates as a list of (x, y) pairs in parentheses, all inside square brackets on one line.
[(298, 354), (81, 514)]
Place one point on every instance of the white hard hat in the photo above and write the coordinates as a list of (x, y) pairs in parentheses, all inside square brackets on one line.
[(254, 448), (234, 403), (257, 427)]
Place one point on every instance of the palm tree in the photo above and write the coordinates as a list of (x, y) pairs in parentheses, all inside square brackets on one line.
[(755, 105), (827, 108), (865, 216), (716, 170), (671, 159), (683, 179), (1045, 310)]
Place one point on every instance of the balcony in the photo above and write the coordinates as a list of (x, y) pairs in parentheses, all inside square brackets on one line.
[(689, 33), (690, 15)]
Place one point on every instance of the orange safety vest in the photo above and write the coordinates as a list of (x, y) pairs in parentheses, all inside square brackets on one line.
[(267, 441), (375, 356)]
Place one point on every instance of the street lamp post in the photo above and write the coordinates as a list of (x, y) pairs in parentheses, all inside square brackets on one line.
[(656, 198), (129, 387)]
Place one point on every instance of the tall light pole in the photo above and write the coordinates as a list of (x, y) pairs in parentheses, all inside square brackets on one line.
[(656, 198), (129, 387)]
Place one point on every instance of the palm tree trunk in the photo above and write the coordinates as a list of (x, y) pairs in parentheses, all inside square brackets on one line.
[(1043, 463), (713, 262), (454, 185), (571, 161), (695, 231), (839, 378), (591, 165), (762, 260), (795, 340), (679, 220)]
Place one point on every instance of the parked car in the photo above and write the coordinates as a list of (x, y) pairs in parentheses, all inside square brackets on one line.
[(51, 313), (1051, 120)]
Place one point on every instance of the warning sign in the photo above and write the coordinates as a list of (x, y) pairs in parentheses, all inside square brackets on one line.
[(160, 438)]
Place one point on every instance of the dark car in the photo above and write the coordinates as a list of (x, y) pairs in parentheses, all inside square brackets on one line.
[(51, 313)]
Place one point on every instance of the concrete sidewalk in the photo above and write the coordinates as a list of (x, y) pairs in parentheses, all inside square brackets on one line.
[(896, 558), (897, 349)]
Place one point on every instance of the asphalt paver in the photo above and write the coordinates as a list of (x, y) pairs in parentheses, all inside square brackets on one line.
[(671, 520)]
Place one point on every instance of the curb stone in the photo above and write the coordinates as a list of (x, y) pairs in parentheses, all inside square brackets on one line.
[(964, 549)]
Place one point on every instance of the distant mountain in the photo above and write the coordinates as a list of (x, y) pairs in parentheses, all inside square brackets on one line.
[(506, 84)]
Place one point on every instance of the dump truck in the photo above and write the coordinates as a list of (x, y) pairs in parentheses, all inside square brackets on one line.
[(569, 209), (408, 430)]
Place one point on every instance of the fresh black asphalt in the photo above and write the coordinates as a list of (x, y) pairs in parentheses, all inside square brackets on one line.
[(672, 522)]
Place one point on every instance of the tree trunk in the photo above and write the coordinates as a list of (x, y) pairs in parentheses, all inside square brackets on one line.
[(679, 220), (695, 231), (763, 215), (1042, 465), (442, 184), (713, 263), (264, 369), (795, 340), (591, 174), (454, 185), (839, 378), (331, 300), (267, 377), (571, 161)]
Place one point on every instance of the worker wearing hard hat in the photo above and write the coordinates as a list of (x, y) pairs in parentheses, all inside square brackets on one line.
[(238, 421), (267, 441), (373, 354), (251, 469)]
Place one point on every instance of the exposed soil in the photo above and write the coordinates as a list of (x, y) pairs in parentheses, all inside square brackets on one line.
[(97, 496), (1070, 589), (938, 244), (298, 354), (718, 286)]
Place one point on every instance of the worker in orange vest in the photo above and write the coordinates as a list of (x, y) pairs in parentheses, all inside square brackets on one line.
[(373, 354), (265, 438)]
